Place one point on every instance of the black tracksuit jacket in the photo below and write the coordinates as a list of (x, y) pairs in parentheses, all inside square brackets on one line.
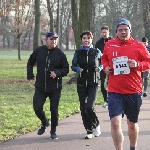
[(46, 61), (101, 43), (87, 60)]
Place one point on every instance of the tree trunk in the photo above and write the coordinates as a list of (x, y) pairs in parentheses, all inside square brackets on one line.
[(84, 15), (61, 27), (19, 44), (92, 16), (67, 32), (50, 15), (67, 38), (83, 23), (75, 20), (57, 21), (146, 17), (4, 41), (19, 47), (37, 29)]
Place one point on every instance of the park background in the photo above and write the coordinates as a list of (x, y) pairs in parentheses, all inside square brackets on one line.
[(23, 26)]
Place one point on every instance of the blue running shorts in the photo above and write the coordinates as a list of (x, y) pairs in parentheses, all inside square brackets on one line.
[(128, 104)]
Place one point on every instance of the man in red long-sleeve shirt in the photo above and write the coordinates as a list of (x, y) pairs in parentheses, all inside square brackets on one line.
[(124, 58)]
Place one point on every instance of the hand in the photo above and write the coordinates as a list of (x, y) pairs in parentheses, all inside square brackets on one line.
[(108, 70), (52, 74), (81, 70), (132, 63), (32, 80)]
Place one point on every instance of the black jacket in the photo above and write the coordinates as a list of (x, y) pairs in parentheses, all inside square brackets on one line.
[(101, 43), (87, 60), (47, 60)]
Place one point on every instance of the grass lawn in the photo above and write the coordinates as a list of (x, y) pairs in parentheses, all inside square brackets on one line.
[(16, 112)]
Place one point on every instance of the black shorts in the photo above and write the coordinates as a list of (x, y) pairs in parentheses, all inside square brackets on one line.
[(128, 104)]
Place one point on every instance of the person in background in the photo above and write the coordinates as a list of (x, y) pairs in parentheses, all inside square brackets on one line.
[(103, 78), (145, 74), (52, 65), (145, 42), (123, 59), (86, 63)]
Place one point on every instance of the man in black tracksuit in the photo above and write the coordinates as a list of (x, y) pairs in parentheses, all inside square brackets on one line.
[(100, 45), (52, 65)]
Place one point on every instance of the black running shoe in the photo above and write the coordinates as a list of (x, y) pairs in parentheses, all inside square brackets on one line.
[(144, 94), (42, 128), (53, 136)]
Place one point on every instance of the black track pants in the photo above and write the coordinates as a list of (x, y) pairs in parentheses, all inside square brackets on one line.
[(38, 103), (87, 97)]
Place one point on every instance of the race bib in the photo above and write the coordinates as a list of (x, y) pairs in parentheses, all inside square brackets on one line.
[(120, 65)]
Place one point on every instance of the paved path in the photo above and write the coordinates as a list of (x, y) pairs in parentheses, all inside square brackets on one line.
[(71, 134)]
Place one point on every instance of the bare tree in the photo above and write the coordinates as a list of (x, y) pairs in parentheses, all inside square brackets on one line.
[(55, 15), (4, 15), (20, 23), (18, 15), (22, 17)]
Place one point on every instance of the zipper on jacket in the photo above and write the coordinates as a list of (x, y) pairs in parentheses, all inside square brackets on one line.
[(57, 82), (95, 77), (87, 58), (48, 63), (45, 78), (46, 67)]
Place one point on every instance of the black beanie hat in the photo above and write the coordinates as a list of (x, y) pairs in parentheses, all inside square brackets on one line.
[(144, 39)]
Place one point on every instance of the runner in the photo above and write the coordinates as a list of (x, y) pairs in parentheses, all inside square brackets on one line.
[(123, 60)]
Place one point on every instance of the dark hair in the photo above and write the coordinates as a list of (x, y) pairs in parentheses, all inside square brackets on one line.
[(105, 27), (144, 39), (86, 33)]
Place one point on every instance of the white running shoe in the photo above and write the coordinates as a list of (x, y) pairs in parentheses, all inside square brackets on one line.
[(97, 131), (89, 136)]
